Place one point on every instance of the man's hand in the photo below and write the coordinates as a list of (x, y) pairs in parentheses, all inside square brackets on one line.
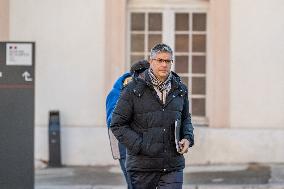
[(184, 145)]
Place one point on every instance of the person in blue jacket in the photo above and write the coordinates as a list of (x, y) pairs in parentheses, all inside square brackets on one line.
[(118, 149)]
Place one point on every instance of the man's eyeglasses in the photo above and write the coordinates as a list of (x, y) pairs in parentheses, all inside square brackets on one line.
[(160, 61)]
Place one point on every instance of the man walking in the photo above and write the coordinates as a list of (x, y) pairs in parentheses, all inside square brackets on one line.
[(152, 120)]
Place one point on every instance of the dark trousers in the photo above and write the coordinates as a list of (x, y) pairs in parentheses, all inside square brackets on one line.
[(122, 151), (159, 180)]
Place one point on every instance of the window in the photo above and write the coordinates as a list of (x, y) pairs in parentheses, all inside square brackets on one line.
[(145, 32), (190, 57), (186, 33)]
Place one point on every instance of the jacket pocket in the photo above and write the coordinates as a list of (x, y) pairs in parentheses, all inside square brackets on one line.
[(152, 144)]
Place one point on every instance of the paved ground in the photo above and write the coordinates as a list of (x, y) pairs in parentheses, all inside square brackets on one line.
[(250, 176)]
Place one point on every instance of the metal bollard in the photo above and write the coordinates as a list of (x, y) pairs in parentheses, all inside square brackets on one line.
[(54, 139)]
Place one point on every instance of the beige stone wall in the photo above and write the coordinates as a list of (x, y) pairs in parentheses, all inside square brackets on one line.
[(81, 50), (4, 20), (218, 63), (256, 64), (70, 57), (236, 145), (90, 146), (115, 41)]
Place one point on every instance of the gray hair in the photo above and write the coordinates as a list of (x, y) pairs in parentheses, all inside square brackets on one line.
[(160, 48)]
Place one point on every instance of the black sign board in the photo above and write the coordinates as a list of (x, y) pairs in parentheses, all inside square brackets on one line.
[(17, 61)]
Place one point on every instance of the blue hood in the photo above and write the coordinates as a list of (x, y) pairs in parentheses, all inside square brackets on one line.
[(113, 96)]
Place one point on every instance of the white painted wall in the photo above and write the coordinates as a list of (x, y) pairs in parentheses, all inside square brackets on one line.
[(236, 145), (69, 36), (90, 146), (79, 146), (257, 64)]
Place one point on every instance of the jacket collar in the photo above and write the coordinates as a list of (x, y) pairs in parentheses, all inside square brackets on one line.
[(143, 80)]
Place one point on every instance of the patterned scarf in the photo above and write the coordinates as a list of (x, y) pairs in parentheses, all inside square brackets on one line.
[(162, 88)]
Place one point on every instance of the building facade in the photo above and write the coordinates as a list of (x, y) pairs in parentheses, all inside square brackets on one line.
[(228, 52)]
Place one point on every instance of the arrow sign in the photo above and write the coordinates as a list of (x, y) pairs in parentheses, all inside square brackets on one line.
[(27, 75)]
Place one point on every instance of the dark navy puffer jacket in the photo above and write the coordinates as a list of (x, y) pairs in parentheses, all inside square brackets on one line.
[(145, 125)]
